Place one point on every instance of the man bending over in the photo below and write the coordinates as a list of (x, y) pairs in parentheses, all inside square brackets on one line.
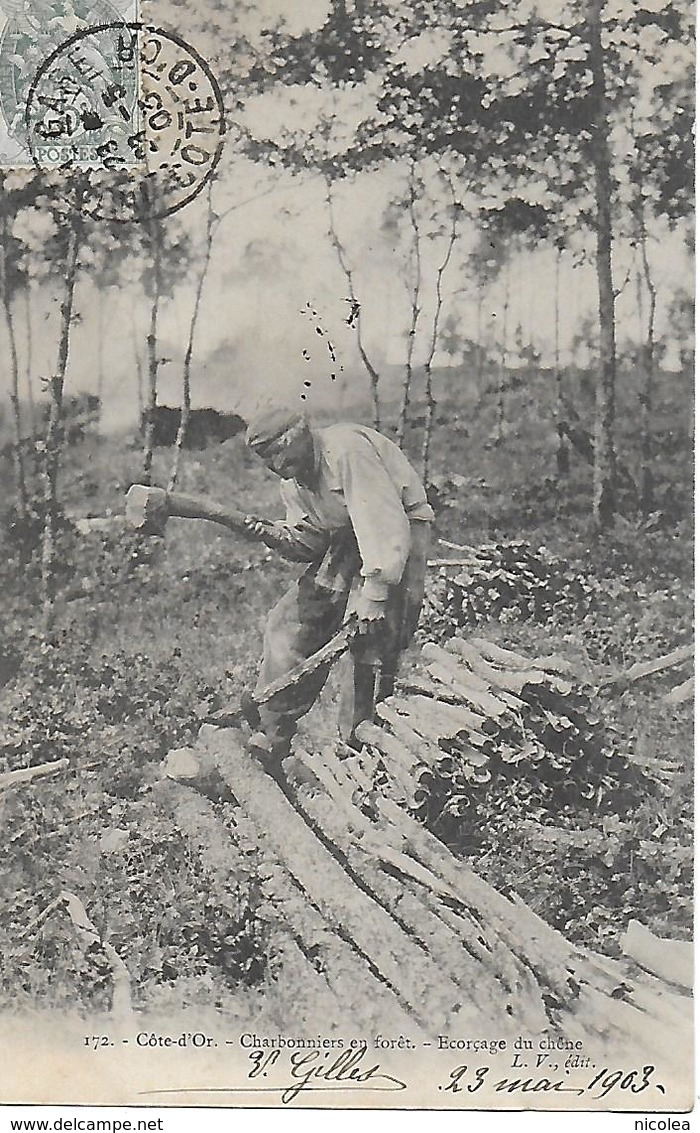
[(358, 514)]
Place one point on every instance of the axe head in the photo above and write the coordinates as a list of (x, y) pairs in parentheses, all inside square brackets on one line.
[(147, 509)]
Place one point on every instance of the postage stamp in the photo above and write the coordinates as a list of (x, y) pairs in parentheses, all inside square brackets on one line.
[(32, 34)]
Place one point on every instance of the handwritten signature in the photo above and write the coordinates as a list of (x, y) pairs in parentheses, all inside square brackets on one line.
[(309, 1070), (348, 1070)]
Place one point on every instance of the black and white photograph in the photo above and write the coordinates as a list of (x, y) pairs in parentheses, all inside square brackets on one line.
[(346, 555)]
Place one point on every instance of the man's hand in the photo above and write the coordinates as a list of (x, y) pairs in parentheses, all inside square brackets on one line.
[(299, 544), (257, 526), (370, 615)]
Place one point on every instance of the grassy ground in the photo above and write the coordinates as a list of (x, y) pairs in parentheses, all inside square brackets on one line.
[(148, 640)]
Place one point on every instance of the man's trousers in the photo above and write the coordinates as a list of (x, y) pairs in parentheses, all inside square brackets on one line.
[(305, 619)]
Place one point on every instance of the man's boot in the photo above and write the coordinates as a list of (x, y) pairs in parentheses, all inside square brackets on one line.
[(269, 753)]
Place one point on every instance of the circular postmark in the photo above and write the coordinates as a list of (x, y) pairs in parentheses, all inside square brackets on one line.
[(135, 112)]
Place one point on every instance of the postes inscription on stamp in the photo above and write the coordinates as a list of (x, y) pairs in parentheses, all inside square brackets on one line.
[(31, 32), (133, 108)]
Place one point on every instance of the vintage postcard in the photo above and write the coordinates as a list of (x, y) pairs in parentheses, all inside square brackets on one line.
[(346, 732)]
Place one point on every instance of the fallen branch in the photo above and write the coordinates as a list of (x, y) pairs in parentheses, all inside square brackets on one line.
[(28, 774), (658, 665), (40, 918), (121, 980)]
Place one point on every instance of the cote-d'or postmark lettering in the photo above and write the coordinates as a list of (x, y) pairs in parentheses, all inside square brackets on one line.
[(133, 111)]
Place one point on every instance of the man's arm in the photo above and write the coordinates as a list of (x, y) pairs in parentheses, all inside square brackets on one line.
[(381, 526)]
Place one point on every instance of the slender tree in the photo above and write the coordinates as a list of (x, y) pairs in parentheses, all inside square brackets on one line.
[(153, 244), (68, 240), (355, 318), (430, 401), (29, 340), (12, 279), (647, 353), (562, 446), (415, 279), (604, 485), (186, 406)]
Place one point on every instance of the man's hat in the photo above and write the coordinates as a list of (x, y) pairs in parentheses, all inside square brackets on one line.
[(273, 427)]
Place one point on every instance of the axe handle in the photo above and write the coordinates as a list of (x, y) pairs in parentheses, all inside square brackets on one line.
[(299, 549), (196, 507)]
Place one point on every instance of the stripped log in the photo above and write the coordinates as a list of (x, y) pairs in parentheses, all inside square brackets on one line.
[(479, 699), (392, 753), (682, 692), (434, 720), (477, 960), (474, 689), (509, 680), (552, 959), (550, 662), (420, 747), (427, 684), (445, 952), (648, 668), (338, 976), (670, 959), (590, 996), (523, 993), (413, 977)]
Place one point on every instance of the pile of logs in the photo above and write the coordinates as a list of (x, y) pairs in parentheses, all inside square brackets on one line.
[(477, 714), (390, 928), (502, 580)]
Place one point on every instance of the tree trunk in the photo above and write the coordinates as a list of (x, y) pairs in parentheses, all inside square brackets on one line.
[(501, 396), (29, 359), (562, 447), (355, 318), (155, 242), (430, 402), (52, 451), (415, 313), (604, 477), (20, 480), (646, 396)]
